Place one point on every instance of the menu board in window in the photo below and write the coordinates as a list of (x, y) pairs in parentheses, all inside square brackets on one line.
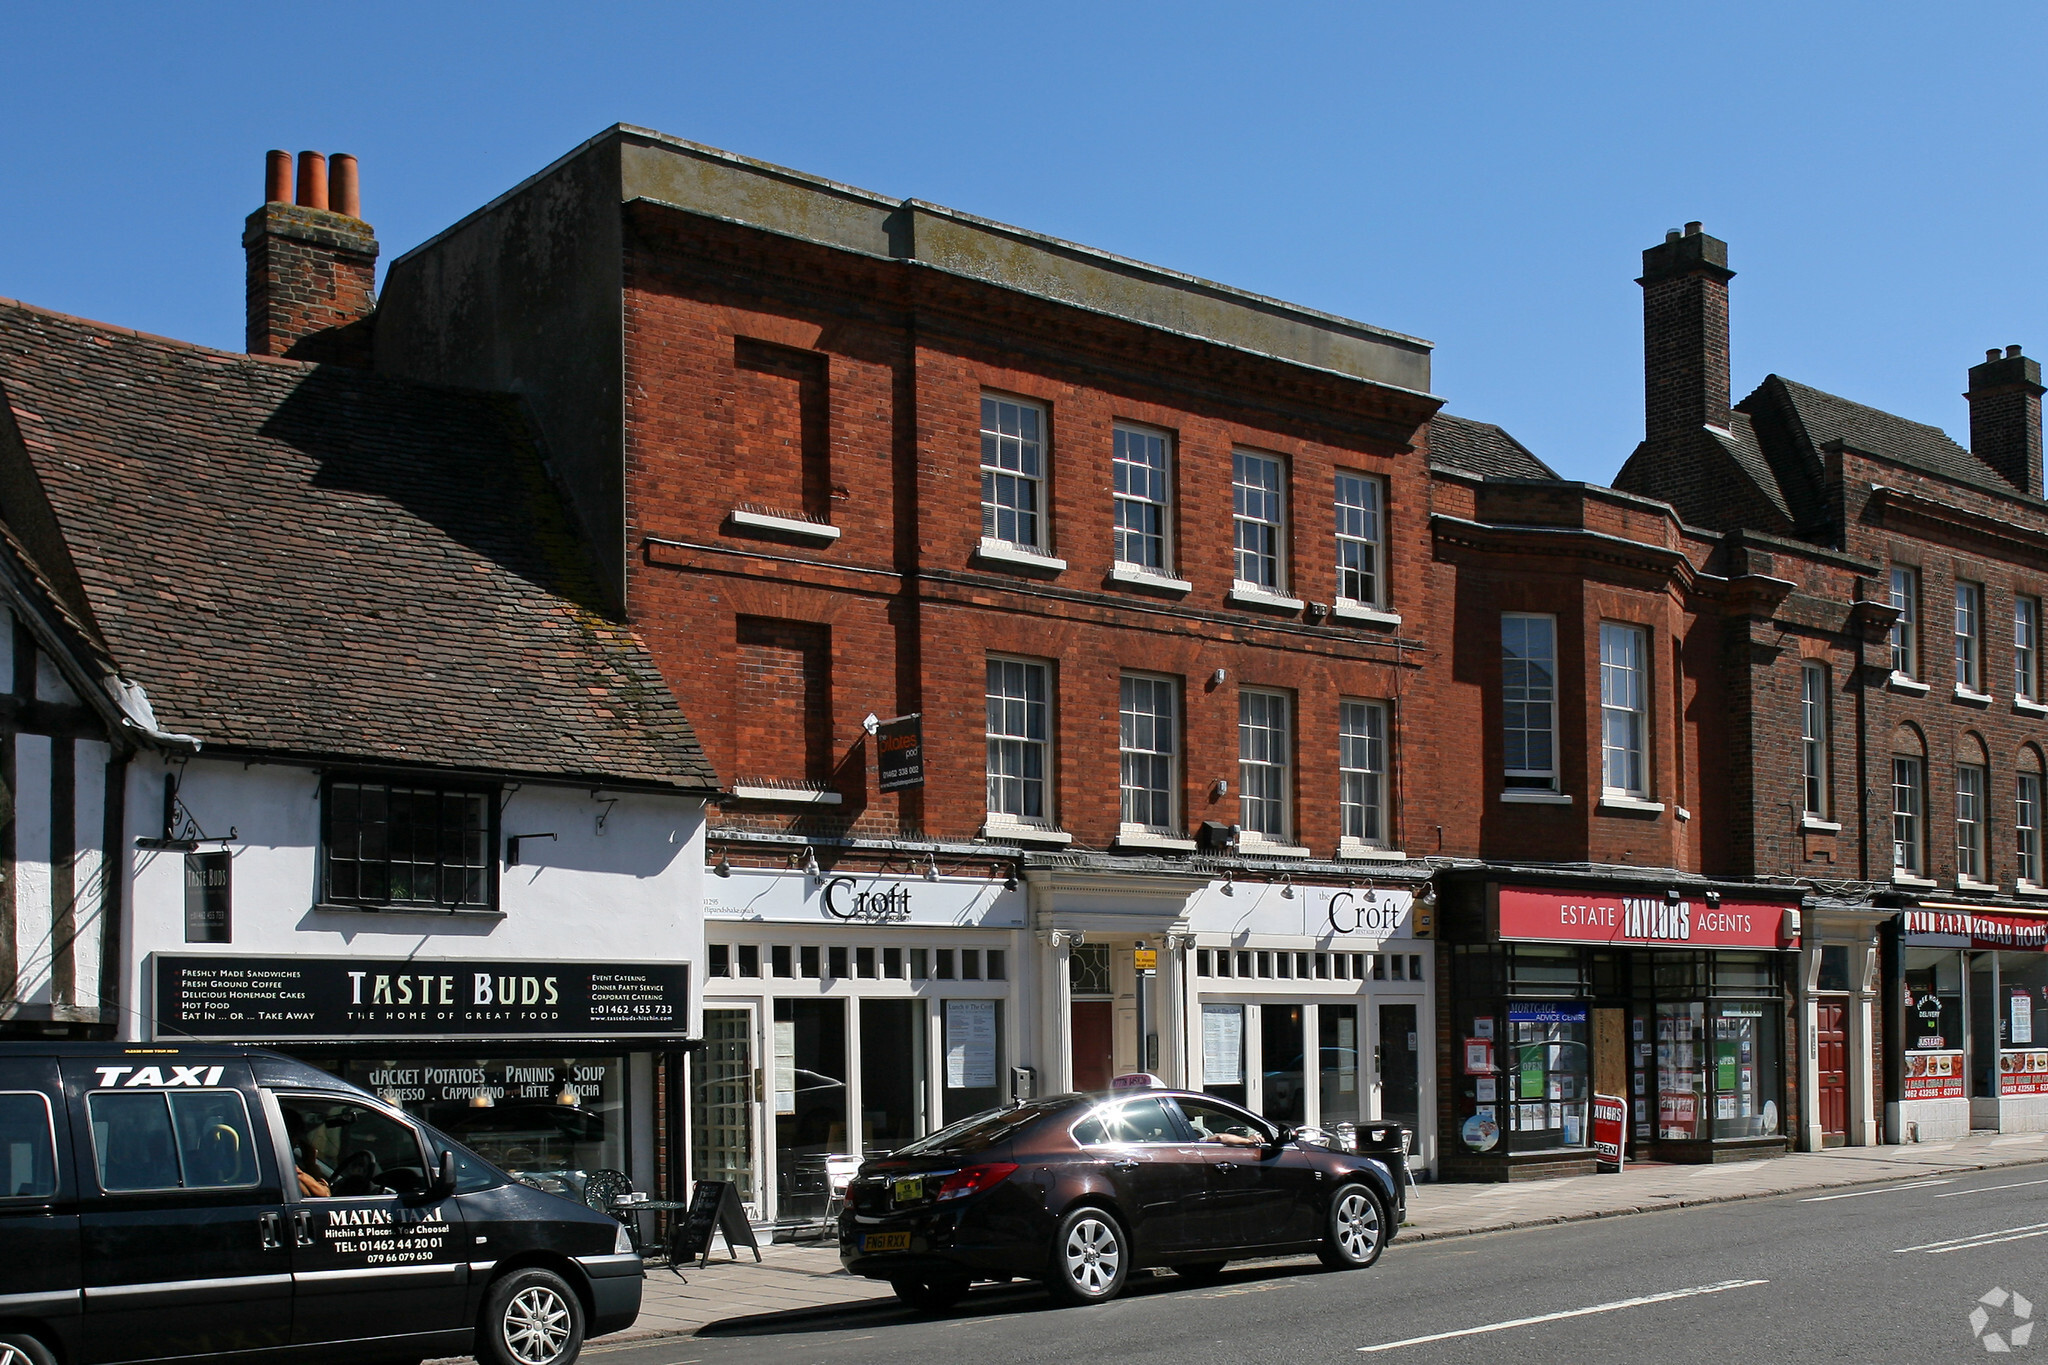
[(970, 1044)]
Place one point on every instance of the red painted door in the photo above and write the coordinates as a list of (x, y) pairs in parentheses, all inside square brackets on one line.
[(1831, 1033), (1091, 1029)]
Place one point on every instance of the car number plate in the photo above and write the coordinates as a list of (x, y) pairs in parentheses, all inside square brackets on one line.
[(907, 1190), (886, 1241)]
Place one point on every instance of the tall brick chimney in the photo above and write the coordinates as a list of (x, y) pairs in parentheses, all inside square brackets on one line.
[(312, 263), (2005, 417), (1685, 335)]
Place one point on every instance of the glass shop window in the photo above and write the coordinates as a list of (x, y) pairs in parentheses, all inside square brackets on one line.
[(1547, 1062), (531, 1115), (750, 959), (1934, 1010), (1745, 1070), (1223, 1051)]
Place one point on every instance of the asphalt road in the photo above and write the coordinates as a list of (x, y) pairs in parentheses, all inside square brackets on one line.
[(1882, 1273)]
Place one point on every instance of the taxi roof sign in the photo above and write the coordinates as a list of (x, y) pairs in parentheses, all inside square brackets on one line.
[(1137, 1080)]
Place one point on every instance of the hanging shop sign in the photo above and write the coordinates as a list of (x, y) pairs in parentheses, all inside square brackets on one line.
[(1964, 928), (363, 998), (774, 896), (209, 894), (1652, 920), (899, 753)]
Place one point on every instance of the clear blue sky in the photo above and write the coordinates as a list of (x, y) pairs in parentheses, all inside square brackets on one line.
[(1483, 175)]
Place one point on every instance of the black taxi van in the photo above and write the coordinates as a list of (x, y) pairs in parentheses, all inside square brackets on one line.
[(164, 1202)]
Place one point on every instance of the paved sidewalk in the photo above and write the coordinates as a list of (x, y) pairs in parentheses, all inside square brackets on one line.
[(806, 1279)]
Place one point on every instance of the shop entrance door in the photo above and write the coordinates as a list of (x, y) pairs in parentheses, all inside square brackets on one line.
[(1400, 1066), (1831, 1043), (810, 1106), (722, 1134), (1092, 1029)]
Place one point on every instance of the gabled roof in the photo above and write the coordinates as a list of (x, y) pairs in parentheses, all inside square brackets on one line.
[(318, 561), (1818, 419), (1482, 448)]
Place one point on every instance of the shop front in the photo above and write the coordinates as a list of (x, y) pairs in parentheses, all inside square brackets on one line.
[(1312, 1005), (552, 1070), (846, 1014), (1969, 988), (1671, 998)]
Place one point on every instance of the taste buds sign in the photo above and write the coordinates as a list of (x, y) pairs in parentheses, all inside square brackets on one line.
[(278, 998), (1650, 919)]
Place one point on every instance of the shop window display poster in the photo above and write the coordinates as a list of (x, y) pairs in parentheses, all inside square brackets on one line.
[(1223, 1044), (970, 1044), (1484, 1089)]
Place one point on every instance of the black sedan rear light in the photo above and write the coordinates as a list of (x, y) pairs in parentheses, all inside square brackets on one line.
[(974, 1179)]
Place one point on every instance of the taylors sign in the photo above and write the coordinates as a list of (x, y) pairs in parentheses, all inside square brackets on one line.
[(778, 897), (1602, 917), (298, 997)]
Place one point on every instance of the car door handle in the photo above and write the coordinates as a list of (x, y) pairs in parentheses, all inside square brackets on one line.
[(1226, 1165), (273, 1231), (1127, 1164), (302, 1227)]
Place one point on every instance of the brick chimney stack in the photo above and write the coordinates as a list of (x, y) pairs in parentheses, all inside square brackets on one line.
[(1685, 335), (2005, 417), (312, 263)]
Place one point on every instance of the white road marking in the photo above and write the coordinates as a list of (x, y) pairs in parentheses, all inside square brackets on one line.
[(1721, 1288), (1889, 1189), (1978, 1239), (1985, 1189)]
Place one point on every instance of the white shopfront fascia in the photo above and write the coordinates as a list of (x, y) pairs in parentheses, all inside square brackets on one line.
[(825, 922), (1330, 928)]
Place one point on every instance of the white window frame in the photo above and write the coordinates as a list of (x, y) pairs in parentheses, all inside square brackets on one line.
[(1906, 630), (1125, 473), (1024, 474), (2026, 647), (1010, 734), (1814, 739), (1522, 694), (1149, 702), (2027, 828), (1624, 710), (1362, 773), (1265, 766), (1360, 506), (1973, 781), (1258, 512), (1909, 788), (1969, 636)]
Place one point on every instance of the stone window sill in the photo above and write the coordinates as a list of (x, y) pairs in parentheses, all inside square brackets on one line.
[(800, 796), (427, 911), (1529, 796), (789, 526), (1908, 879), (1147, 839), (1364, 615), (1368, 853), (2029, 889), (1249, 595), (1010, 832), (1148, 578), (1965, 884), (1261, 849), (998, 552), (1899, 682), (2027, 706), (1631, 804), (1813, 824), (1973, 698)]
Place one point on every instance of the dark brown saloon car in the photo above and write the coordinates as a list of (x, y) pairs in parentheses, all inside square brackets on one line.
[(1079, 1190)]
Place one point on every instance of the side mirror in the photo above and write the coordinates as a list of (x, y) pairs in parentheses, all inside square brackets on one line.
[(444, 1177)]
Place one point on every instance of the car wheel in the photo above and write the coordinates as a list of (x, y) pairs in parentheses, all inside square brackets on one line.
[(1090, 1257), (1356, 1230), (531, 1317), (1201, 1272), (17, 1349), (930, 1296)]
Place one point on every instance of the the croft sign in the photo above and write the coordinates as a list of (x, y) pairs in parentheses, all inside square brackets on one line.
[(1693, 921), (1349, 914), (886, 905)]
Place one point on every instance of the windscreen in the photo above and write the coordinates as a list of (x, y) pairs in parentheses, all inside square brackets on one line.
[(986, 1129)]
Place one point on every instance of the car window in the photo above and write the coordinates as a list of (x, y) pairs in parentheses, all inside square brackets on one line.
[(342, 1148), (1139, 1120), (985, 1129), (28, 1159), (153, 1140), (472, 1172), (1214, 1122)]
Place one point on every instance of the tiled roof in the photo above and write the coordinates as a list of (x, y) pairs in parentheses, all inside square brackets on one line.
[(1741, 444), (1482, 448), (1825, 418), (319, 561)]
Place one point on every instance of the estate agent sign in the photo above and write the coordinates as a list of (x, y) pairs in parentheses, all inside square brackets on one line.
[(355, 997)]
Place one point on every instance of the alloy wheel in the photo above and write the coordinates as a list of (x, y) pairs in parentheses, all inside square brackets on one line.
[(537, 1325), (1093, 1256), (1356, 1225), (10, 1354)]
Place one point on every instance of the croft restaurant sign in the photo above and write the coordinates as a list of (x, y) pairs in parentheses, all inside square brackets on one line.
[(1650, 921)]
